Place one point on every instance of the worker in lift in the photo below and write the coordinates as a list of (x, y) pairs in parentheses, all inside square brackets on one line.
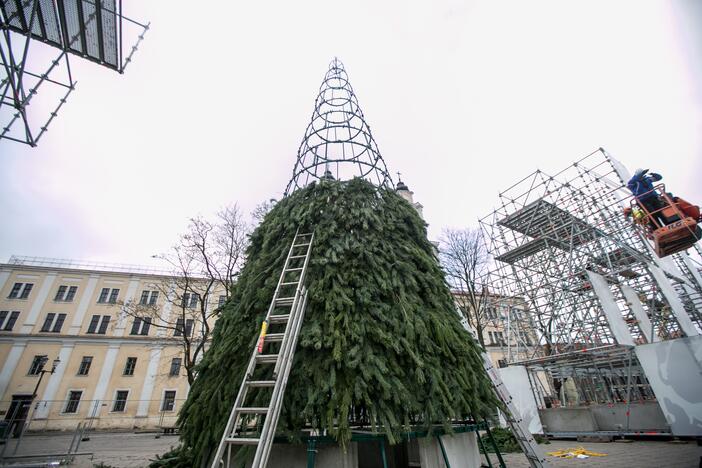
[(641, 185)]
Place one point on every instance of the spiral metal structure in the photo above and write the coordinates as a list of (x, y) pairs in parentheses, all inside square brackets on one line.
[(338, 143)]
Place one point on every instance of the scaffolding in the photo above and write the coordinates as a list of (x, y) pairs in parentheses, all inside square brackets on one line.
[(36, 39), (338, 143), (589, 279)]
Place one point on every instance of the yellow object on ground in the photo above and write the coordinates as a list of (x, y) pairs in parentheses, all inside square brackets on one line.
[(579, 452)]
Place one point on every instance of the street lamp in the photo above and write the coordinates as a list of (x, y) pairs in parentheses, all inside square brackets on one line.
[(42, 371), (20, 404)]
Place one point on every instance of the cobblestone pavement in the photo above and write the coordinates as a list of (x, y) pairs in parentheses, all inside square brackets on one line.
[(638, 454), (119, 450), (128, 450)]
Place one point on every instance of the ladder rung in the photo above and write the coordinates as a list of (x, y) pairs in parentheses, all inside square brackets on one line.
[(290, 283), (301, 235), (285, 300), (267, 358), (274, 337), (260, 383), (252, 410), (278, 318), (293, 269), (301, 245), (298, 256), (242, 440)]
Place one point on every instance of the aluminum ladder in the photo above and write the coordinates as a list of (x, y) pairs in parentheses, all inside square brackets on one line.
[(536, 456), (286, 310)]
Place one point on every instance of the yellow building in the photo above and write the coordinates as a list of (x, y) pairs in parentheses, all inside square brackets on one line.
[(508, 333), (115, 335)]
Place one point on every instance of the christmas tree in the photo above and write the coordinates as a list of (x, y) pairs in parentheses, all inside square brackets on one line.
[(381, 335), (381, 343)]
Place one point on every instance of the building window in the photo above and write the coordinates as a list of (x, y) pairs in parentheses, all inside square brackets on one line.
[(73, 400), (20, 291), (65, 293), (222, 300), (130, 366), (175, 367), (180, 330), (38, 364), (168, 400), (113, 296), (148, 298), (120, 401), (108, 296), (84, 367), (491, 313), (99, 324), (141, 326), (104, 294), (53, 322), (8, 319), (190, 300)]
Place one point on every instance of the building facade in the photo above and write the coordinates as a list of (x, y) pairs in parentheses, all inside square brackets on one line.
[(105, 344), (113, 337), (508, 332)]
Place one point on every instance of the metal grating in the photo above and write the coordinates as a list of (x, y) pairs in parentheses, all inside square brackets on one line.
[(84, 27), (90, 30), (17, 15), (543, 219), (528, 249)]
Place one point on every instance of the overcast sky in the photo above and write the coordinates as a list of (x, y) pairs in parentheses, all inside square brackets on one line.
[(463, 97)]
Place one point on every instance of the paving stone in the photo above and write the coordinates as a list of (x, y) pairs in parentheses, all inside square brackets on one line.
[(639, 454), (128, 450)]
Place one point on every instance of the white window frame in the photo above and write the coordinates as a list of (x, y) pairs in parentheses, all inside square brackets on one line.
[(188, 300), (20, 291), (110, 293), (98, 327), (65, 401), (64, 297), (80, 365), (124, 369), (180, 367), (31, 364), (142, 324), (6, 319), (126, 400), (163, 400), (149, 297), (54, 320)]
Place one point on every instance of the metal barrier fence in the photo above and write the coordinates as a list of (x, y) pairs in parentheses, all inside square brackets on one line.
[(22, 415)]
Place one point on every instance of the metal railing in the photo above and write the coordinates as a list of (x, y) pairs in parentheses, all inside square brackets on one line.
[(85, 265), (63, 415)]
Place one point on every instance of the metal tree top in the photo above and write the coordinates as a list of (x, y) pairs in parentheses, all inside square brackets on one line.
[(338, 142)]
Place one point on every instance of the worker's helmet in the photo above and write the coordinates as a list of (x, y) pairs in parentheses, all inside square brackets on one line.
[(639, 172)]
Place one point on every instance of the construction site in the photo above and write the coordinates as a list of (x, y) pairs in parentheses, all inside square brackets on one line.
[(340, 342), (618, 324)]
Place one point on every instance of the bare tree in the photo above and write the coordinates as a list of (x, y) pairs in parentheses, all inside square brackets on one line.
[(204, 264), (262, 209), (465, 260)]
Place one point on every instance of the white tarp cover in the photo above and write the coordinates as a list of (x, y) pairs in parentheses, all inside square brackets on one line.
[(517, 382), (674, 370), (461, 451), (635, 304), (617, 325), (676, 306)]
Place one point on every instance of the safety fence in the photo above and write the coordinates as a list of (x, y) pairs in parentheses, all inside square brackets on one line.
[(28, 415)]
